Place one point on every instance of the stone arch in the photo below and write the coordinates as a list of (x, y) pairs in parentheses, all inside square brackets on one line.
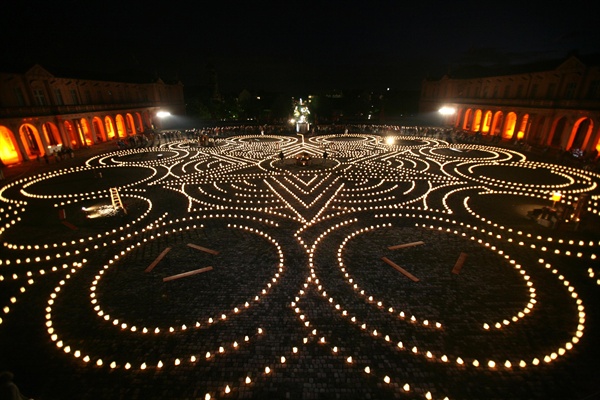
[(497, 122), (486, 122), (596, 147), (52, 134), (522, 131), (509, 125), (110, 128), (148, 120), (140, 124), (130, 124), (99, 129), (30, 137), (536, 132), (85, 132), (71, 134), (467, 121), (121, 129), (580, 134), (459, 116), (9, 153), (476, 121), (556, 133)]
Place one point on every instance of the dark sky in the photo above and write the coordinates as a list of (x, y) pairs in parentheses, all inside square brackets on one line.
[(294, 46)]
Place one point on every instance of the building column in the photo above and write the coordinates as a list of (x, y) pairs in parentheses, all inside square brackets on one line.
[(40, 132), (593, 143), (545, 130), (531, 128), (571, 120), (589, 134), (518, 125), (550, 129), (14, 128), (61, 130), (92, 129), (503, 127), (79, 134), (459, 116)]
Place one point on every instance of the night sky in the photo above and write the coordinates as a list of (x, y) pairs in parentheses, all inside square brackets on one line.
[(293, 46)]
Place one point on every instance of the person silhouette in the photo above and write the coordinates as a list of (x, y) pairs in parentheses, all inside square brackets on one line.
[(8, 389)]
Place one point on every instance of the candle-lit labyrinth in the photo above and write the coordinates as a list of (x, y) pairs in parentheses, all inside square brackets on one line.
[(393, 267)]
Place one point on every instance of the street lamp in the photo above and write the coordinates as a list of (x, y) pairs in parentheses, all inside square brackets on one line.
[(161, 117), (447, 111)]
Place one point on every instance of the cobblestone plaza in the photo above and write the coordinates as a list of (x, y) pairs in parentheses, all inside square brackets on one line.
[(403, 267)]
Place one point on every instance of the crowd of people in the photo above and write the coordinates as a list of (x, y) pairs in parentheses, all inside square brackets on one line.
[(210, 136), (57, 153)]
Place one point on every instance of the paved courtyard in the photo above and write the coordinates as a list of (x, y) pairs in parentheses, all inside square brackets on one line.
[(406, 269)]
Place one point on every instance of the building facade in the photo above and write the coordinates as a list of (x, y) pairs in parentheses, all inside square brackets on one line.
[(548, 105), (40, 112)]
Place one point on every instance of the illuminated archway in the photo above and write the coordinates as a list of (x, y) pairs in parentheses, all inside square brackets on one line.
[(8, 147), (580, 134), (477, 121), (497, 123), (99, 128), (31, 140), (51, 134), (467, 121), (140, 124), (523, 127), (121, 126), (509, 126), (86, 132), (71, 134), (557, 132), (110, 128), (130, 124), (536, 133), (459, 116), (487, 122), (147, 122)]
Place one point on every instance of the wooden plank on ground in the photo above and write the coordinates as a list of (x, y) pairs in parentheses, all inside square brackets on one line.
[(155, 262), (402, 246), (69, 225), (399, 268), (459, 263), (189, 273), (204, 249)]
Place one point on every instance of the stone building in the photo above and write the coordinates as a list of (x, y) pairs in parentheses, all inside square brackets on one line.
[(41, 112), (553, 104)]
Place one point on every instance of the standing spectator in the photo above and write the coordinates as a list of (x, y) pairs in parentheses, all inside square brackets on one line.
[(8, 390)]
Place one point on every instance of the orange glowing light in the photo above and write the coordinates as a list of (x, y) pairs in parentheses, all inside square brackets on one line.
[(8, 152)]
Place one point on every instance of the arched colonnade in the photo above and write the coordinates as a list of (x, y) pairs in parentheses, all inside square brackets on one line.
[(558, 130), (32, 138)]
